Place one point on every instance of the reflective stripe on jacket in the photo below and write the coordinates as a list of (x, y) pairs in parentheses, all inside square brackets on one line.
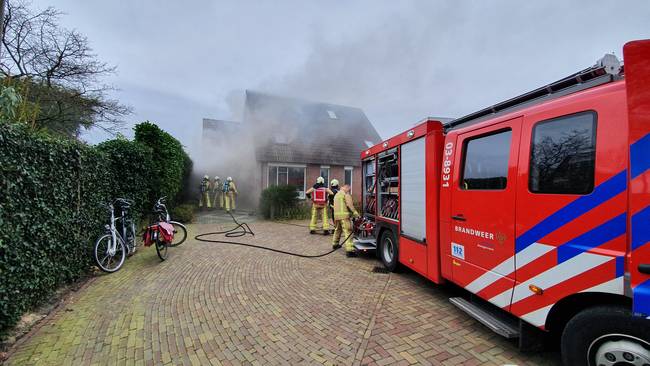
[(343, 206)]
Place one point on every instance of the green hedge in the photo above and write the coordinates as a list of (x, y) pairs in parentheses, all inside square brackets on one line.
[(279, 202), (50, 207), (130, 165), (171, 163)]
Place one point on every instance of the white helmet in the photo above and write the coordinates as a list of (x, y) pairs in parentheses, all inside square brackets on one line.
[(216, 177), (229, 179), (334, 183), (206, 177), (320, 180)]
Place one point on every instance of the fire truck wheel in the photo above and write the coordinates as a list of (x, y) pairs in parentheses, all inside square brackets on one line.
[(606, 335), (388, 250)]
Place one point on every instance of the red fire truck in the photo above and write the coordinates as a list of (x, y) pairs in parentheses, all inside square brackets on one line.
[(538, 206)]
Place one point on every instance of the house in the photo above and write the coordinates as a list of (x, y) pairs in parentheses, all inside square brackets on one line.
[(290, 141)]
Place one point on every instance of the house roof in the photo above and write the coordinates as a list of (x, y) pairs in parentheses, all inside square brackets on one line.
[(290, 130), (215, 125)]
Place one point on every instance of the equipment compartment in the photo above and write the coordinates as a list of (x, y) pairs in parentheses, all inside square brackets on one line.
[(388, 182), (369, 188)]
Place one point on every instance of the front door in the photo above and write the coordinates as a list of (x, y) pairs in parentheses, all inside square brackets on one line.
[(483, 211)]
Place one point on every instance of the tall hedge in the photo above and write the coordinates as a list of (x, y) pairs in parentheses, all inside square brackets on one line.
[(132, 164), (51, 191), (170, 161)]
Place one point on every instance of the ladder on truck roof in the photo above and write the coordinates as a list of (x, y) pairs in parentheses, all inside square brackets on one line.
[(606, 69)]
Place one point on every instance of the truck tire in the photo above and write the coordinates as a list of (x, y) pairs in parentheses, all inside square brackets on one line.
[(606, 335), (389, 250)]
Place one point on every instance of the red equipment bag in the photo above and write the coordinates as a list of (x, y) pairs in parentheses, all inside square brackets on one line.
[(161, 230), (319, 196)]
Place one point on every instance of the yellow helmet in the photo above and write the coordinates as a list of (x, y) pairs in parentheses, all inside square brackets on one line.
[(320, 180), (334, 183)]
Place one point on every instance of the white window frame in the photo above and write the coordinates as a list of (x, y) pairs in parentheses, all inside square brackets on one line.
[(329, 173), (351, 169), (301, 194)]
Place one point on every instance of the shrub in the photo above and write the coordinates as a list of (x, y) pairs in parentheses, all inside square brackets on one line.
[(132, 163), (276, 199), (171, 164), (300, 212), (50, 214), (183, 213), (46, 222)]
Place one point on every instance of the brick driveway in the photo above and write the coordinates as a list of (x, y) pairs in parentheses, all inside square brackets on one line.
[(217, 304)]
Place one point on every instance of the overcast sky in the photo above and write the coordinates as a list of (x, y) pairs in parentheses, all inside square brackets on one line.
[(400, 61)]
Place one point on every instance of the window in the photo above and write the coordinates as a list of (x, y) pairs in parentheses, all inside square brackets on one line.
[(283, 175), (280, 139), (273, 176), (325, 173), (288, 175), (485, 164), (348, 176), (563, 155)]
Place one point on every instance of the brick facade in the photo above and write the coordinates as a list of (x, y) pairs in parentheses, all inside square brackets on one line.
[(313, 172)]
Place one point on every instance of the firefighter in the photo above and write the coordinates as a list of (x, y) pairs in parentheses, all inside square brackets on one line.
[(334, 187), (217, 186), (343, 209), (229, 191), (318, 194), (204, 201)]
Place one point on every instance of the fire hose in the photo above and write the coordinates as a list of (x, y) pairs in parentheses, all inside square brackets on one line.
[(243, 229)]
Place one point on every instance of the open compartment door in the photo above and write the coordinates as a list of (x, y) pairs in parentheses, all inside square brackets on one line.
[(413, 217), (637, 81)]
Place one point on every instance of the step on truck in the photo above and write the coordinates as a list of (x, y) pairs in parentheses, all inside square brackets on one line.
[(538, 207)]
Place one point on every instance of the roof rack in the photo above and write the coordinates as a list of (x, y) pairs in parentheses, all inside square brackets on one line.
[(606, 69)]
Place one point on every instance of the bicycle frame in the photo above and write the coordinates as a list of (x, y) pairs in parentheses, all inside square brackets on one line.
[(125, 224), (115, 235)]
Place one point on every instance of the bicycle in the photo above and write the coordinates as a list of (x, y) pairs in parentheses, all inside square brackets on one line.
[(160, 209), (112, 248), (160, 234)]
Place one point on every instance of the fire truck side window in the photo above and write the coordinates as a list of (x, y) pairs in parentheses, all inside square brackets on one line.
[(563, 155), (485, 164)]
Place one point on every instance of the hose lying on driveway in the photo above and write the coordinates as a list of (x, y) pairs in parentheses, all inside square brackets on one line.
[(242, 229)]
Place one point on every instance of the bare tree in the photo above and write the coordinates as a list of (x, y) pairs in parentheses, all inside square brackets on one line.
[(58, 71)]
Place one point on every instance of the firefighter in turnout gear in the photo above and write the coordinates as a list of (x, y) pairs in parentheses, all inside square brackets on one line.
[(334, 187), (343, 210), (229, 191), (217, 194), (204, 201), (318, 194)]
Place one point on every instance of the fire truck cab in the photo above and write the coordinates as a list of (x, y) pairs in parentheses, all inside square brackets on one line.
[(538, 206)]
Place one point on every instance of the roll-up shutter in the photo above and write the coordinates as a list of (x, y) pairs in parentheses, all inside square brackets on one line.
[(412, 182)]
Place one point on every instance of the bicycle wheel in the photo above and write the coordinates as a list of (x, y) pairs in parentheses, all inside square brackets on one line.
[(161, 249), (106, 260), (180, 233)]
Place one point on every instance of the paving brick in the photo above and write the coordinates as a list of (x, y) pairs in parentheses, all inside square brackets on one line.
[(231, 305)]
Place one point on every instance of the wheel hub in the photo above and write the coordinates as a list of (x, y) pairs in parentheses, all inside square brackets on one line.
[(388, 250), (620, 350)]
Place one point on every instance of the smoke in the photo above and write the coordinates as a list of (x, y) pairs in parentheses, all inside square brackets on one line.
[(401, 62), (447, 59)]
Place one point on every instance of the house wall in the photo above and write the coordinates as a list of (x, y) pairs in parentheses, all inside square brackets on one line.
[(313, 172)]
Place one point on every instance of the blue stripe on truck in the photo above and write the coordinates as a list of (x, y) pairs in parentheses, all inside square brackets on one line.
[(605, 191), (640, 156)]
